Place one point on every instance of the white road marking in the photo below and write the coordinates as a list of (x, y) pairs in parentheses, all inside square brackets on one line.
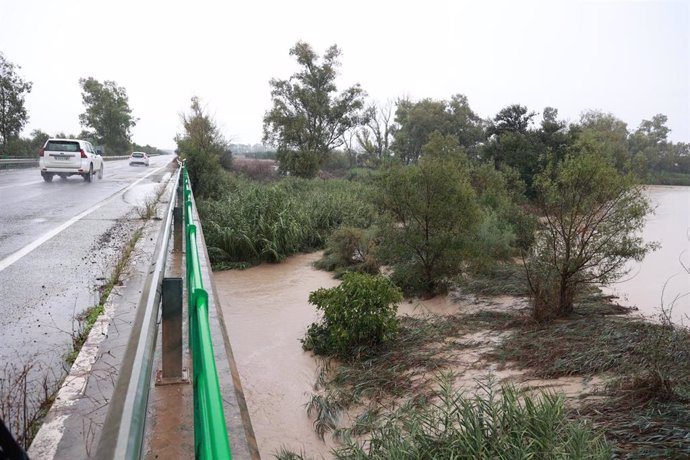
[(21, 184), (12, 258)]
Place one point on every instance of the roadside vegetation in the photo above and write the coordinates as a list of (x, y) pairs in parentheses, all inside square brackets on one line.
[(426, 198)]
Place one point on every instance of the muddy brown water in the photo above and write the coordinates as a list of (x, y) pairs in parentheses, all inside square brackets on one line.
[(266, 310), (661, 278)]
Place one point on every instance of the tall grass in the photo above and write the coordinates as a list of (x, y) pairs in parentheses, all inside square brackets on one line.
[(495, 423), (268, 222)]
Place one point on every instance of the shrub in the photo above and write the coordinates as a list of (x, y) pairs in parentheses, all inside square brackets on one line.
[(358, 313), (350, 249)]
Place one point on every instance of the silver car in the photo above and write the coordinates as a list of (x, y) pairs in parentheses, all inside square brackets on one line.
[(138, 158)]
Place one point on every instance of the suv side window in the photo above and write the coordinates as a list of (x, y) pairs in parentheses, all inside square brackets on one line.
[(89, 147)]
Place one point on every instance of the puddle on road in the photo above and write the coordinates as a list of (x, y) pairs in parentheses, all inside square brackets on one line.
[(266, 311)]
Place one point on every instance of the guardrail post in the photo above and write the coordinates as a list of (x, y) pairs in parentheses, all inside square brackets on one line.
[(172, 371), (177, 228)]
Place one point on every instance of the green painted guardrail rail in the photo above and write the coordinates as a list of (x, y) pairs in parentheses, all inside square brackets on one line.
[(210, 432)]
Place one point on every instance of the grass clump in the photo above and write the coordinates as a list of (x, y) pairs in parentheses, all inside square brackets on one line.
[(495, 423), (498, 279), (645, 412)]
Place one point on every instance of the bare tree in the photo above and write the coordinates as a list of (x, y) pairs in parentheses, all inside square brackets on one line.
[(375, 137)]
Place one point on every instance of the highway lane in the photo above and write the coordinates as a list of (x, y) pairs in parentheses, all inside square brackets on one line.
[(59, 242)]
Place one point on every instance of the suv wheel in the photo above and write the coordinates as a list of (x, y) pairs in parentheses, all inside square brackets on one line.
[(100, 172), (48, 177), (89, 175)]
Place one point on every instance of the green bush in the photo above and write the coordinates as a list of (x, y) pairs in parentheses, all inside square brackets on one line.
[(350, 249), (358, 313)]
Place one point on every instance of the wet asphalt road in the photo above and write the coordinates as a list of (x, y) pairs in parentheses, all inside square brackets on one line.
[(59, 241)]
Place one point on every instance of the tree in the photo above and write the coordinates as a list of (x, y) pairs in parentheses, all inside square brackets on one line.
[(592, 217), (375, 136), (308, 117), (416, 121), (604, 134), (514, 118), (107, 114), (13, 114), (649, 147), (202, 146), (513, 144), (430, 217)]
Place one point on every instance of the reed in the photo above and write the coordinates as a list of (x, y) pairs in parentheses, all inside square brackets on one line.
[(268, 222), (497, 422)]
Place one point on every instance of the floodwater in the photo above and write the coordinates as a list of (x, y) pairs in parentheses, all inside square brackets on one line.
[(660, 278), (267, 311)]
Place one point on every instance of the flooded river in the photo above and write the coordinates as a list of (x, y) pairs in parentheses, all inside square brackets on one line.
[(267, 312), (644, 287)]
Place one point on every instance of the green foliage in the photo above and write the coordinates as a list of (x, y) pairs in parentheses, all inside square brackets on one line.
[(107, 113), (591, 226), (309, 118), (13, 90), (350, 249), (417, 121), (256, 222), (358, 313), (27, 147), (298, 163), (495, 423), (430, 216), (201, 147), (500, 193)]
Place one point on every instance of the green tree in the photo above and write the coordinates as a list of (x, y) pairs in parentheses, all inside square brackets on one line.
[(107, 114), (202, 146), (28, 147), (416, 121), (431, 215), (309, 118), (649, 147), (606, 135), (13, 114), (592, 217)]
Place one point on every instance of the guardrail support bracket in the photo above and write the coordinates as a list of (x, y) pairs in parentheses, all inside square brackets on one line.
[(172, 371)]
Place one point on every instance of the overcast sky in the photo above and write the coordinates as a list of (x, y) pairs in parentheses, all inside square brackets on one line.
[(630, 58)]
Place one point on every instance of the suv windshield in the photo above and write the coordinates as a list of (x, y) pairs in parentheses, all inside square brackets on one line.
[(137, 155), (62, 146)]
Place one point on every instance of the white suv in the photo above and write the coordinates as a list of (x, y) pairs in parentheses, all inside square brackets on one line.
[(67, 157)]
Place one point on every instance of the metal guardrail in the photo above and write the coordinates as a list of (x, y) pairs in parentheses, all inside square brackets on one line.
[(210, 431), (6, 163)]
